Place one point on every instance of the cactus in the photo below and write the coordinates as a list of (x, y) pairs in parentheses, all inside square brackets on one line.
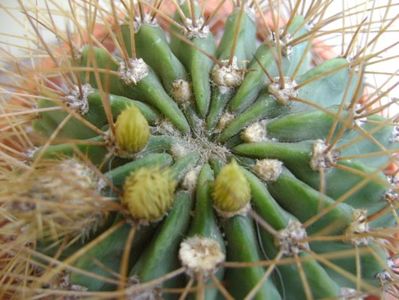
[(166, 158)]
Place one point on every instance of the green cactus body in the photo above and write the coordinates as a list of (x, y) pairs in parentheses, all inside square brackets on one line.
[(261, 178)]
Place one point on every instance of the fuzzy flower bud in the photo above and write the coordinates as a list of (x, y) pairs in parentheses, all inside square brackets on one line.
[(231, 191), (148, 193), (131, 130), (57, 199)]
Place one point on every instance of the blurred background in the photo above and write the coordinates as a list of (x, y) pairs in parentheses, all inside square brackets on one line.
[(17, 38)]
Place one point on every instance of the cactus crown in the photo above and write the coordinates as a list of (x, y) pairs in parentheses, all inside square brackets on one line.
[(167, 147)]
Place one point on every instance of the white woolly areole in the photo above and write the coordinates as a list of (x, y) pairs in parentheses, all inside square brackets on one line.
[(179, 150), (321, 158), (195, 31), (359, 227), (395, 135), (77, 98), (165, 127), (292, 239), (225, 119), (393, 272), (200, 255), (65, 283), (145, 19), (391, 196), (268, 169), (359, 121), (181, 91), (31, 152), (134, 72), (102, 184), (393, 263), (384, 277), (394, 180), (190, 180), (286, 50), (255, 133), (283, 94), (387, 279), (229, 75), (198, 141), (350, 294)]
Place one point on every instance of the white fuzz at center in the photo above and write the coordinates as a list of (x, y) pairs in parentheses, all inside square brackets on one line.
[(144, 19), (359, 227), (392, 196), (197, 30), (284, 94), (387, 279), (268, 169), (200, 255), (190, 180), (395, 135), (255, 133), (293, 239), (64, 283), (229, 75), (284, 40), (179, 150), (134, 71), (77, 99), (225, 119), (321, 158), (181, 91)]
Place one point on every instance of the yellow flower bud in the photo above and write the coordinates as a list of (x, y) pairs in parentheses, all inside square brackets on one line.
[(231, 191), (131, 130), (148, 193)]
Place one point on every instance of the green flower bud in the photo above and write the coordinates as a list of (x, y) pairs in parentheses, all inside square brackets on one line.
[(148, 193), (231, 191), (131, 130)]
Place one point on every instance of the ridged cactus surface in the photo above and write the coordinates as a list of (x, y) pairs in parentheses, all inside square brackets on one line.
[(168, 159)]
